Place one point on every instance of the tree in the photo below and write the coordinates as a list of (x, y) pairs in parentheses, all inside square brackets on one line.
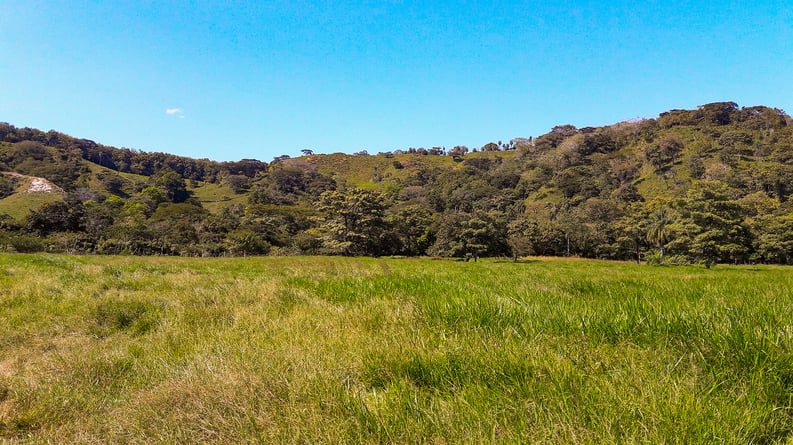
[(7, 185), (711, 226), (663, 152), (171, 213), (213, 229), (717, 113), (58, 216), (131, 238), (180, 236), (172, 186), (542, 229), (576, 182), (410, 226), (774, 238), (353, 220), (631, 230), (113, 182), (458, 151), (97, 218), (7, 222), (289, 179), (659, 228), (592, 232), (246, 242), (490, 146), (521, 234), (470, 235), (267, 223), (238, 183)]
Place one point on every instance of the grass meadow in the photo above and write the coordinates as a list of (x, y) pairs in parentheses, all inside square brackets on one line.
[(357, 350)]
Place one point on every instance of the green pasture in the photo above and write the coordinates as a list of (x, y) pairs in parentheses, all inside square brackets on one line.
[(358, 350)]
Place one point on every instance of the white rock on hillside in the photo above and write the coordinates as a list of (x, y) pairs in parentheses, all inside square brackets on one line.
[(40, 185)]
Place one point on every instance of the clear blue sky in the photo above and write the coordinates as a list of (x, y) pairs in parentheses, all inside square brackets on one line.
[(232, 80)]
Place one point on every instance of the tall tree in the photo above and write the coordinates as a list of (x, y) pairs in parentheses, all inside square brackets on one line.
[(659, 227), (470, 235), (352, 221), (711, 227), (172, 186)]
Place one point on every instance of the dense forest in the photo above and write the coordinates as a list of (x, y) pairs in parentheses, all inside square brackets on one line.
[(709, 185)]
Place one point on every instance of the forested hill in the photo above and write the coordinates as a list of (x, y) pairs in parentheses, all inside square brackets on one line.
[(706, 185)]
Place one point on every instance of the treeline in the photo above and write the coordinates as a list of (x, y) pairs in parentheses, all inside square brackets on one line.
[(35, 151), (706, 185)]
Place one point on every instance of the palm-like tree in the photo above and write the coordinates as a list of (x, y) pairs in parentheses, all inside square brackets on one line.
[(658, 231)]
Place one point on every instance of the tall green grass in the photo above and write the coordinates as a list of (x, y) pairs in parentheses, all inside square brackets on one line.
[(349, 350)]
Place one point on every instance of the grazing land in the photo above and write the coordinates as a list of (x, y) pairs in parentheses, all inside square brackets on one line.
[(359, 350)]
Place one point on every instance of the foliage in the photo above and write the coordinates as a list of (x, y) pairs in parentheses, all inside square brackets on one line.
[(469, 235), (352, 220), (172, 186), (7, 185), (705, 186)]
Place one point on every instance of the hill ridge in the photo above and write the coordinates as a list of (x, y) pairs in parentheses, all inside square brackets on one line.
[(722, 175)]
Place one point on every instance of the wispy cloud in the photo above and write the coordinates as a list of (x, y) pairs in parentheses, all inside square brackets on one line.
[(174, 111)]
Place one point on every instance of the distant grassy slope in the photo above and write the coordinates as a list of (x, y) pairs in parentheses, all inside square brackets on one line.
[(95, 184), (347, 350), (215, 197), (361, 170), (19, 205), (96, 168)]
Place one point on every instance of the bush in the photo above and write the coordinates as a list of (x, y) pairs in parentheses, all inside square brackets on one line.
[(7, 185), (26, 243), (654, 259), (284, 251)]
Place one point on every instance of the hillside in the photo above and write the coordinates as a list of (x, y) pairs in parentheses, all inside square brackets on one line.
[(707, 185), (25, 193)]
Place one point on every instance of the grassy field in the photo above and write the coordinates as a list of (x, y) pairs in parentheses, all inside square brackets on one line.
[(343, 350)]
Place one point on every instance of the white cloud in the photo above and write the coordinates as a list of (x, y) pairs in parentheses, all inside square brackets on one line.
[(173, 111)]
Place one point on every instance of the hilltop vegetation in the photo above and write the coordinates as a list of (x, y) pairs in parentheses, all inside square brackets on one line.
[(706, 185), (343, 350)]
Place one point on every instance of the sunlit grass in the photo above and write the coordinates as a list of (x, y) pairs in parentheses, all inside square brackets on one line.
[(359, 350), (19, 205), (214, 197)]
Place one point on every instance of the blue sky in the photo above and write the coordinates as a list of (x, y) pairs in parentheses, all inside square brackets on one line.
[(232, 80)]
